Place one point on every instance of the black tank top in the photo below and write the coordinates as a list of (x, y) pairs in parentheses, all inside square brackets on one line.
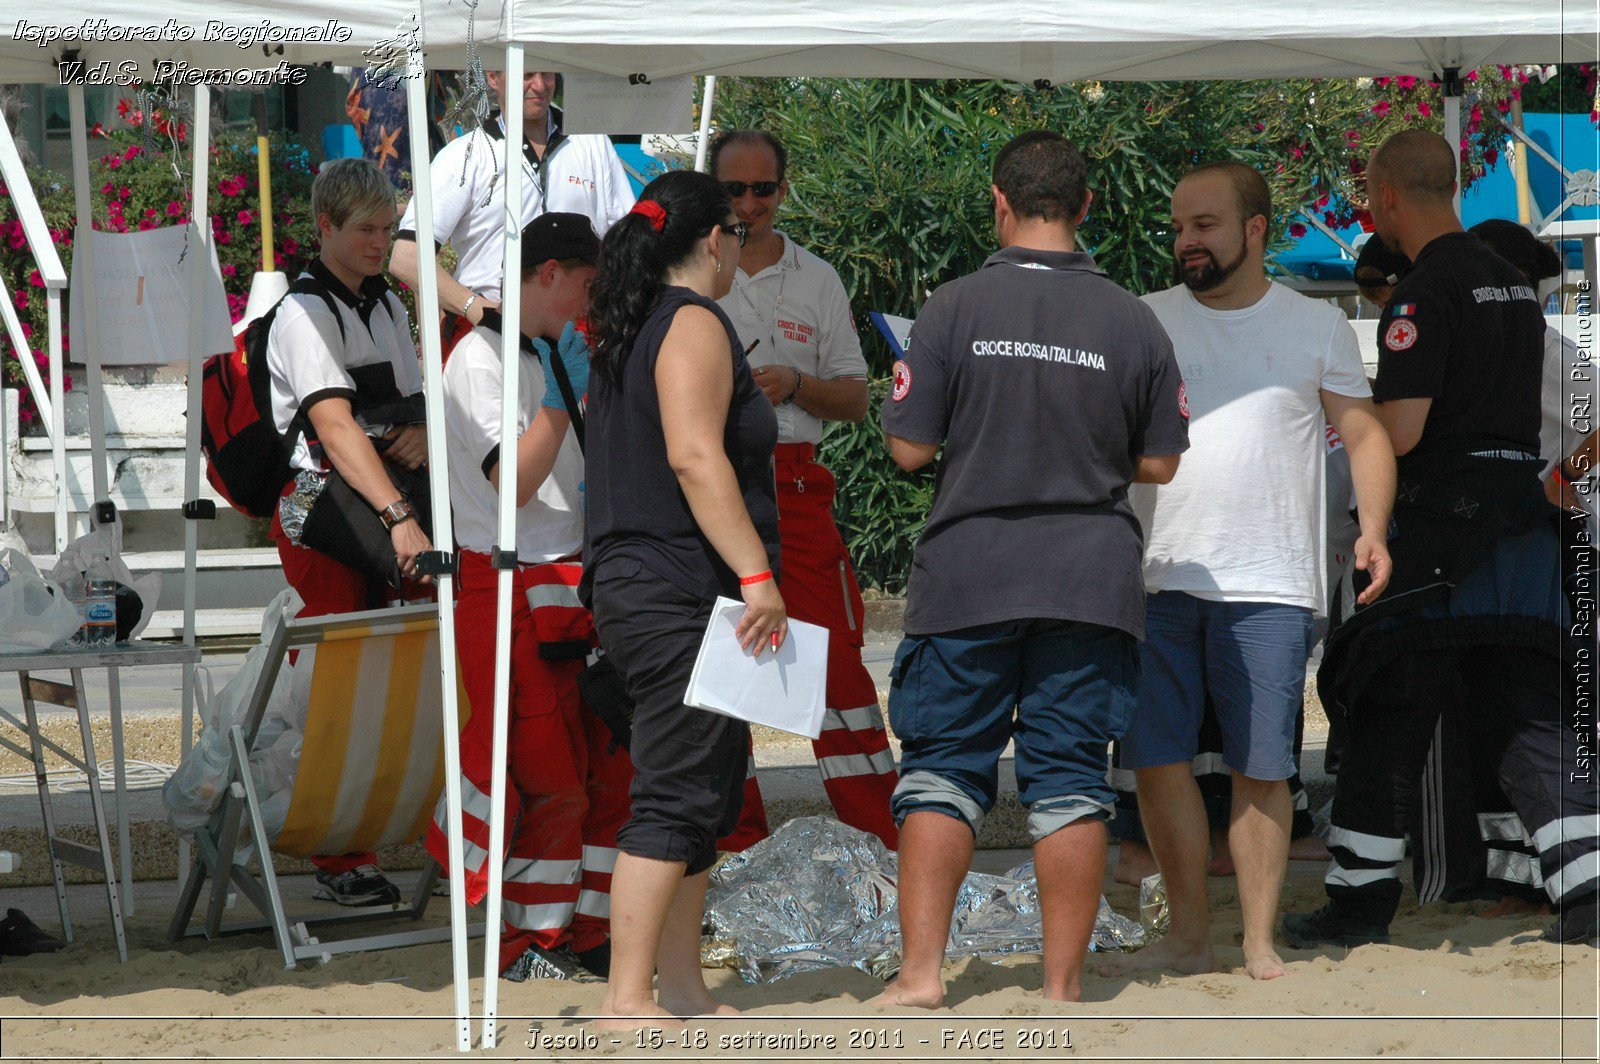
[(635, 508)]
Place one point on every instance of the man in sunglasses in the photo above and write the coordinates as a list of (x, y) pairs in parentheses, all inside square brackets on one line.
[(791, 311), (579, 174)]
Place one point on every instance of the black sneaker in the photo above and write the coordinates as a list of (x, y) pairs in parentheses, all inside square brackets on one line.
[(363, 885), (539, 963), (596, 960), (1575, 924), (1329, 926)]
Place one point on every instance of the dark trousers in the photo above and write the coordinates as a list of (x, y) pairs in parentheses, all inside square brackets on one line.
[(688, 764), (1514, 696)]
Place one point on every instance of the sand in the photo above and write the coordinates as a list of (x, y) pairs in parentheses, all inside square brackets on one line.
[(1451, 986)]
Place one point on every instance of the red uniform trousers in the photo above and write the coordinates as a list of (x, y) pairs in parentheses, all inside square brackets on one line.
[(568, 791), (819, 586), (326, 586)]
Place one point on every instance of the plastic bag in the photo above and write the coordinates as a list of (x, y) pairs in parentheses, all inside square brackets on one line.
[(35, 613), (106, 541), (195, 790)]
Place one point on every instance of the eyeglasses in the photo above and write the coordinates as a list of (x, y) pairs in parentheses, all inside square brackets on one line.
[(760, 188), (738, 229)]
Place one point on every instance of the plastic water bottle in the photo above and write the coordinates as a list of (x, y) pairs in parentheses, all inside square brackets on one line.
[(99, 605)]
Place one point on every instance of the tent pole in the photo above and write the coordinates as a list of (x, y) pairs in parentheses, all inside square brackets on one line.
[(442, 532), (199, 262), (506, 537), (87, 340), (703, 144), (1453, 88)]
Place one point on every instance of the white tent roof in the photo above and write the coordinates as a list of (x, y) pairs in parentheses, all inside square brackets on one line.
[(216, 30), (1024, 40)]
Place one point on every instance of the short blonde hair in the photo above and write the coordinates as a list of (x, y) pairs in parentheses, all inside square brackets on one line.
[(350, 190)]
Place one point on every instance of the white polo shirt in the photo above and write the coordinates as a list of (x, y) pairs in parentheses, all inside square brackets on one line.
[(306, 360), (550, 524), (581, 174), (798, 309)]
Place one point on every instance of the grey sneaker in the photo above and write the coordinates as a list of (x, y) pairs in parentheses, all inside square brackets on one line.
[(363, 885), (539, 963)]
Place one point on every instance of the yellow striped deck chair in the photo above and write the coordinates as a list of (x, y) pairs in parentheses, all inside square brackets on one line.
[(371, 772)]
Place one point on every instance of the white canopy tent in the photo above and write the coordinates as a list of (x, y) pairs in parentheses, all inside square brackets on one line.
[(1027, 41)]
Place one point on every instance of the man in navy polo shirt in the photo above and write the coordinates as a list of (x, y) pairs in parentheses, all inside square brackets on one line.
[(1050, 390)]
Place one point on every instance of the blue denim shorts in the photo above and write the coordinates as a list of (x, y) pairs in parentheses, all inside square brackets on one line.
[(1062, 690), (1250, 656)]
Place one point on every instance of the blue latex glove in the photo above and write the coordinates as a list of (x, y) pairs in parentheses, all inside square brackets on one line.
[(573, 351)]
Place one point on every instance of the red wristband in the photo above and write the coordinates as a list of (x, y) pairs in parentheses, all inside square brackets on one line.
[(1559, 477), (764, 575)]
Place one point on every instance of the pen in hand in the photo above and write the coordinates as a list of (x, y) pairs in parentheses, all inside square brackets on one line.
[(752, 346)]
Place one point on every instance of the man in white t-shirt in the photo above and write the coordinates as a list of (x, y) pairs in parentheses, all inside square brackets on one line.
[(568, 789), (580, 174), (1234, 562), (791, 311)]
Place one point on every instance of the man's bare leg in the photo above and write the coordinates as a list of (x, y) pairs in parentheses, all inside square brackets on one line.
[(1175, 823), (1221, 861), (1071, 865), (935, 854), (1134, 863), (643, 891), (1258, 834), (1308, 848), (680, 980)]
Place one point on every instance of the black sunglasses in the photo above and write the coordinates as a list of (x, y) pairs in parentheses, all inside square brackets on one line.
[(760, 188), (738, 229)]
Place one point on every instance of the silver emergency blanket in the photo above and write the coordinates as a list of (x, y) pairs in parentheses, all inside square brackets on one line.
[(293, 507), (820, 894)]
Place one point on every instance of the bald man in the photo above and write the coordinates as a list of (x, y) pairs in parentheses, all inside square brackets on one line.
[(1474, 618)]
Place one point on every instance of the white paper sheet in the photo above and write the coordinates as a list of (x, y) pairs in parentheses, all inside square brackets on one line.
[(781, 690)]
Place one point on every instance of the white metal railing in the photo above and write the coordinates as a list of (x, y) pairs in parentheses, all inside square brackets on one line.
[(47, 399)]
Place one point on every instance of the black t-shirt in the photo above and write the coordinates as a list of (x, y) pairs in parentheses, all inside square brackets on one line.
[(1465, 329), (1045, 382), (635, 508)]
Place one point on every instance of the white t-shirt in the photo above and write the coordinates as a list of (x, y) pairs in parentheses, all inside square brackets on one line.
[(798, 309), (307, 362), (550, 524), (1244, 518), (1566, 401), (581, 174)]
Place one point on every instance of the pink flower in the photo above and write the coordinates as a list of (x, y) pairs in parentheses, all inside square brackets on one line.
[(35, 279), (1406, 82), (229, 269), (1297, 230), (277, 258), (1423, 109), (1472, 75), (106, 189), (113, 163), (1491, 156), (133, 150), (1380, 108), (124, 192), (1352, 137), (290, 246), (1323, 202), (20, 298), (174, 209), (149, 212), (145, 223), (223, 238), (17, 242), (246, 217), (27, 330), (1296, 152)]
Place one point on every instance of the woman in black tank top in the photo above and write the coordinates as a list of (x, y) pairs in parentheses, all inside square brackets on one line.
[(681, 507)]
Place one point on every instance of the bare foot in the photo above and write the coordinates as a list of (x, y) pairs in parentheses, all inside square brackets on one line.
[(1221, 862), (1264, 965), (1309, 848), (1134, 863), (1166, 955), (898, 995), (1508, 905), (634, 1016), (684, 1006)]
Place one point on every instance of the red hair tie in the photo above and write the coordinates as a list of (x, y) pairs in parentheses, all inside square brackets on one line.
[(652, 210)]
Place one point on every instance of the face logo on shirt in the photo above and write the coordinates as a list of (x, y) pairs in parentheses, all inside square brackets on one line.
[(902, 381), (1183, 400), (1401, 335)]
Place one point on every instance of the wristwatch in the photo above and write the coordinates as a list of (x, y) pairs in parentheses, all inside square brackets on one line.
[(395, 513)]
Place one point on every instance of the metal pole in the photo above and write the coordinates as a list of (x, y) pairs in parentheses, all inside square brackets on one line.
[(506, 537), (443, 533), (703, 143)]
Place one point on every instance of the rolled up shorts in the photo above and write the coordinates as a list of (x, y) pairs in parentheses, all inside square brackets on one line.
[(1062, 690)]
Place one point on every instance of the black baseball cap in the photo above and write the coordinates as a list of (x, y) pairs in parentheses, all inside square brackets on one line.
[(1377, 266), (559, 235)]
